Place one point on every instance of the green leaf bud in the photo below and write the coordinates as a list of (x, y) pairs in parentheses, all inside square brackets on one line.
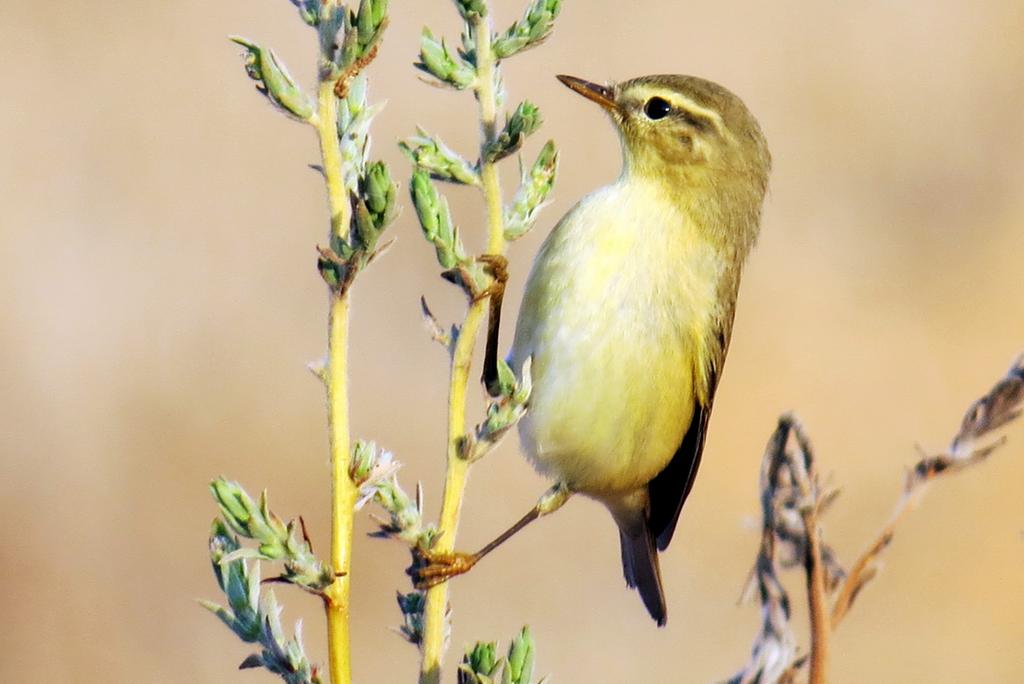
[(354, 119), (519, 669), (342, 248), (379, 192), (273, 81), (435, 219), (443, 163), (412, 606), (351, 49), (309, 11), (364, 456), (231, 500), (362, 30), (424, 198), (524, 121), (470, 9), (535, 25), (365, 23), (441, 63), (530, 198), (506, 378), (483, 659), (365, 232), (276, 541), (333, 23)]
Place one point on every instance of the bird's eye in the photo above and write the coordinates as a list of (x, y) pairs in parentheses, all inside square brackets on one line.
[(657, 108)]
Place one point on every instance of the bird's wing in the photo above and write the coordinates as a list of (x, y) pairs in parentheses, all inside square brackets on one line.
[(669, 489)]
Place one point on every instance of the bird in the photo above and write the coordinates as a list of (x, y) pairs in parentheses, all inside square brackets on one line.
[(627, 316), (629, 306)]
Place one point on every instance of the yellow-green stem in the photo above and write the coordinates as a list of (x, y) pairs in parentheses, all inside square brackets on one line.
[(457, 468), (343, 491), (489, 122), (454, 485)]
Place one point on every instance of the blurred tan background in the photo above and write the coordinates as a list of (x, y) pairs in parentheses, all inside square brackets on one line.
[(160, 303)]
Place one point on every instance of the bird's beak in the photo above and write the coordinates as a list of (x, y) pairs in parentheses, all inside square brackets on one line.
[(602, 95)]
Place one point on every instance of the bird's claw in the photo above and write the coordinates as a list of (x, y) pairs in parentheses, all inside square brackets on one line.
[(430, 569), (497, 266)]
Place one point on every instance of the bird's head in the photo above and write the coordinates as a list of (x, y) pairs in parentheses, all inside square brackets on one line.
[(669, 122), (690, 133)]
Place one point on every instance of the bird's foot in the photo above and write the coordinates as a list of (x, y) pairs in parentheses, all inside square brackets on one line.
[(429, 569), (497, 266)]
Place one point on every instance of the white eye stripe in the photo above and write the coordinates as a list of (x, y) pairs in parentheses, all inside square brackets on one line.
[(688, 105), (685, 104)]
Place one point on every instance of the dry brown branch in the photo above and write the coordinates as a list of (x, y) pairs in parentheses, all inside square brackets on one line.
[(801, 466), (791, 505), (775, 648), (437, 333), (1001, 405), (791, 500)]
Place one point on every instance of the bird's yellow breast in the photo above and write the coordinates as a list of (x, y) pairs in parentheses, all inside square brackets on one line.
[(618, 317)]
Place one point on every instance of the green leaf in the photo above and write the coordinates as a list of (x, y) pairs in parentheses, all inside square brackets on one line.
[(435, 219), (379, 191), (530, 31), (506, 378), (375, 208), (309, 11), (274, 81), (233, 504), (364, 455), (364, 230), (523, 122), (275, 541), (519, 669), (470, 9), (333, 23), (412, 605), (443, 163), (534, 189), (483, 659), (362, 29), (444, 65)]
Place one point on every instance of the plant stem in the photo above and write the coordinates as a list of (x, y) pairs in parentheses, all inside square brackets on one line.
[(488, 100), (436, 607), (343, 491), (862, 570), (435, 610), (821, 623), (806, 480)]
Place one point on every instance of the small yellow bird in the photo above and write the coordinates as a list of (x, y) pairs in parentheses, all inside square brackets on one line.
[(629, 308), (627, 317)]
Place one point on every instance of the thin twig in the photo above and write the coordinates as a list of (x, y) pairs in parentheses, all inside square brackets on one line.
[(344, 492), (775, 647), (821, 627), (792, 503), (998, 407), (437, 333), (801, 467), (436, 607)]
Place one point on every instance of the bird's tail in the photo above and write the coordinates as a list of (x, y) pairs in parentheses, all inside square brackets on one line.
[(640, 566)]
